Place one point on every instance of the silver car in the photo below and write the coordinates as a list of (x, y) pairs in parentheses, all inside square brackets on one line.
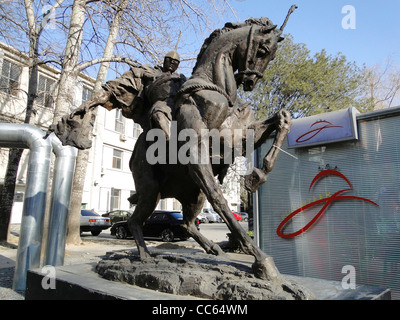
[(202, 218), (211, 215), (92, 222)]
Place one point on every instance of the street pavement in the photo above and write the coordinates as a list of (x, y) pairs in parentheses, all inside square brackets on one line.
[(92, 249)]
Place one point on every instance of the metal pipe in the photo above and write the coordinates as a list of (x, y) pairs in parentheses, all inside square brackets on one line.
[(30, 243), (30, 240), (64, 168), (256, 208)]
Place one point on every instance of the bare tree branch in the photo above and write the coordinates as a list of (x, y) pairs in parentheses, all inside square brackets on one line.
[(87, 64)]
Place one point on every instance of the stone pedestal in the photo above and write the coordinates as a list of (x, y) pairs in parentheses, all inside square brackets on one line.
[(185, 277)]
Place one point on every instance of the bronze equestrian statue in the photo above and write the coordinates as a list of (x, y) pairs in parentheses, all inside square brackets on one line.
[(232, 56)]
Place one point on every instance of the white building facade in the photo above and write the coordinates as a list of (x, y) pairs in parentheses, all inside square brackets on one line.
[(109, 182)]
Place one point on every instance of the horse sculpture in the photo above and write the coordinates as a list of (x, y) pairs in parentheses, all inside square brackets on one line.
[(237, 54)]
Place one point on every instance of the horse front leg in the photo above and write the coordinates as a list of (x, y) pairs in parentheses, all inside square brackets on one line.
[(142, 211), (264, 266), (202, 174), (147, 194), (281, 122), (190, 211)]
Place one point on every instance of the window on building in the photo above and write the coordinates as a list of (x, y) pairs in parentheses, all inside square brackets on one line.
[(115, 198), (9, 78), (176, 205), (117, 159), (119, 121), (137, 130), (86, 94), (46, 87), (163, 204)]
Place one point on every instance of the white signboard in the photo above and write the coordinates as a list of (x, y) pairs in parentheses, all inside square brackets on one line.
[(324, 128)]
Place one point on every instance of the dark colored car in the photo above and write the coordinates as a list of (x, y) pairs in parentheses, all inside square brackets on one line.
[(92, 222), (118, 215), (166, 225), (245, 216)]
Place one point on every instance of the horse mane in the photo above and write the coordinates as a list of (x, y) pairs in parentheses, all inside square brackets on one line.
[(229, 26)]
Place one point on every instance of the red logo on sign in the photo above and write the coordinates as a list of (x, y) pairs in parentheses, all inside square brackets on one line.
[(311, 134), (328, 201)]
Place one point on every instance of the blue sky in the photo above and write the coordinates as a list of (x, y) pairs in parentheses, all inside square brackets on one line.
[(318, 24)]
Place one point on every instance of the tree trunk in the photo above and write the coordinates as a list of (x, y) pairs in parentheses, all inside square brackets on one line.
[(7, 192), (69, 76), (64, 101), (73, 237), (14, 157)]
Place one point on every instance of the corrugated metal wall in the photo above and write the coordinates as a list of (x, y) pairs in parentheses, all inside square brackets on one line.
[(351, 231)]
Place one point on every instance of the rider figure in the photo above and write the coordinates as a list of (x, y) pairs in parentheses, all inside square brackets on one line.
[(162, 91), (144, 94)]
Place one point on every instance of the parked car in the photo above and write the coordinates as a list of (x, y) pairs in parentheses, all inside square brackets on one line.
[(118, 215), (202, 218), (237, 216), (211, 215), (245, 216), (166, 225), (92, 222)]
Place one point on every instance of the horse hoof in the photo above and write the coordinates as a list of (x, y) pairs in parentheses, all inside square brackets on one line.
[(144, 255), (265, 269), (285, 121), (216, 249), (254, 180)]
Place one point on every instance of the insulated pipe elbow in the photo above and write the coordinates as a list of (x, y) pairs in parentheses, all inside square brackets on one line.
[(64, 168), (29, 247), (13, 135)]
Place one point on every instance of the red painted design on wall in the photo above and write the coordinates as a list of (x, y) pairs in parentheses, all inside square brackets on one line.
[(326, 201), (312, 133)]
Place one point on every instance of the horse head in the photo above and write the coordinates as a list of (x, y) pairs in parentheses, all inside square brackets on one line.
[(253, 54), (247, 46)]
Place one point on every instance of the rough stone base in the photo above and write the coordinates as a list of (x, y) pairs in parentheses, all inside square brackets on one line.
[(199, 275)]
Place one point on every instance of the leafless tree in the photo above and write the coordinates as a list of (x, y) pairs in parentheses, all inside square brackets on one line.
[(383, 87), (33, 28), (71, 35)]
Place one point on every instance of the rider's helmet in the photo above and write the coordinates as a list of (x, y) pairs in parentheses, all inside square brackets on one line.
[(173, 55), (171, 61)]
